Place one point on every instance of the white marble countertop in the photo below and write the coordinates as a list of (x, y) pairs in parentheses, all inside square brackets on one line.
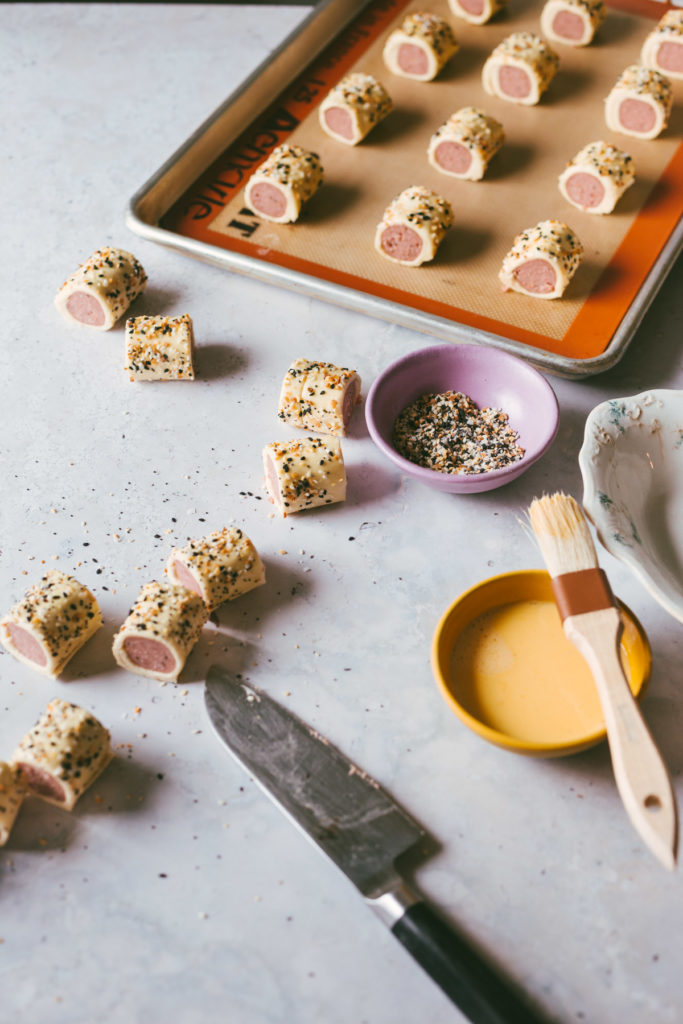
[(175, 891)]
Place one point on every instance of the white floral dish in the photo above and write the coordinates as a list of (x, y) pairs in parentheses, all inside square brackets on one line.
[(632, 467)]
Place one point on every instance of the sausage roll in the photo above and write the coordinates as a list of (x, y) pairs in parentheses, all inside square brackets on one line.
[(597, 177), (520, 69), (102, 289), (219, 567), (663, 48), (62, 754), (420, 47), (283, 183), (640, 103), (413, 226), (464, 145), (573, 22), (160, 348), (319, 396), (304, 474), (542, 260), (353, 108), (162, 627), (478, 12), (52, 621)]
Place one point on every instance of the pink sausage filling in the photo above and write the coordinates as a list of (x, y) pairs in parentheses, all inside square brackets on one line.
[(149, 654), (670, 57), (26, 644), (412, 59), (514, 81), (85, 308), (453, 157), (536, 276), (475, 7), (636, 115), (40, 782), (272, 481), (401, 242), (339, 121), (568, 25), (268, 199), (585, 190), (186, 578), (351, 397)]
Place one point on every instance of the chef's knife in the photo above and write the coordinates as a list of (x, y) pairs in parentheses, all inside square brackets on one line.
[(362, 830)]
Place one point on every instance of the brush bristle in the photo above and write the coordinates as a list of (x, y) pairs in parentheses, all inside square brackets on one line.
[(562, 534)]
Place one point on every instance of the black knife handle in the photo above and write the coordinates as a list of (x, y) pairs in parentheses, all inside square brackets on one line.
[(482, 995)]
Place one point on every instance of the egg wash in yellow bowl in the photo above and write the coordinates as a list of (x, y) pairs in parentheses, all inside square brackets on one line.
[(505, 666)]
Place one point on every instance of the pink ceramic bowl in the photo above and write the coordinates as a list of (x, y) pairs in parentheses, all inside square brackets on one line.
[(491, 378)]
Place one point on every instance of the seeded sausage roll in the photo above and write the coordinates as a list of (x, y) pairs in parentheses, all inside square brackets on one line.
[(304, 474), (478, 12), (160, 348), (162, 627), (283, 183), (102, 289), (597, 177), (62, 754), (12, 793), (420, 47), (52, 621), (640, 103), (542, 261), (319, 396), (353, 108), (219, 567), (573, 22), (464, 145), (413, 226), (663, 48), (520, 69)]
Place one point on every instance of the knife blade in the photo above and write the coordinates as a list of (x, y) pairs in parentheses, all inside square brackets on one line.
[(362, 830)]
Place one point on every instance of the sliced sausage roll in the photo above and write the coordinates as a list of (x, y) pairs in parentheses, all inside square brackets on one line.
[(12, 793), (520, 69), (52, 621), (304, 474), (160, 348), (597, 177), (102, 289), (219, 567), (162, 627), (478, 12), (421, 47), (640, 103), (319, 396), (542, 261), (62, 754), (573, 22), (283, 183), (353, 108), (413, 226), (663, 48), (464, 145)]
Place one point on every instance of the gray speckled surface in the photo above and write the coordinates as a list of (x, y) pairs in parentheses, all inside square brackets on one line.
[(175, 891)]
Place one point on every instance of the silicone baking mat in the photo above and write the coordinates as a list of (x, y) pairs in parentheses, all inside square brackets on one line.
[(333, 239)]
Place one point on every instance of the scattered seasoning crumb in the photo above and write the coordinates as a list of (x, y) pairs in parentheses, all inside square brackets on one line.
[(450, 434)]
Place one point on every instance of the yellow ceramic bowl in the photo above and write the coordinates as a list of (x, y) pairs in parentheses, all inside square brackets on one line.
[(504, 665)]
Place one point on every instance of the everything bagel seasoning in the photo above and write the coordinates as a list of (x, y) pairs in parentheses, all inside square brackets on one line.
[(450, 434)]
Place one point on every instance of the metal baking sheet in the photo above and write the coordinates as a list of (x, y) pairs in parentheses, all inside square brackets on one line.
[(193, 203)]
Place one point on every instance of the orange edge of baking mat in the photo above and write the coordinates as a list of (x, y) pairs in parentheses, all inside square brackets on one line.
[(600, 315)]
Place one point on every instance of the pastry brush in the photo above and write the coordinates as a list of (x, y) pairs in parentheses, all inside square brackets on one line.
[(592, 622)]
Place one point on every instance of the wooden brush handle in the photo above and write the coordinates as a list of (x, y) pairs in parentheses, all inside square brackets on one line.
[(640, 773)]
